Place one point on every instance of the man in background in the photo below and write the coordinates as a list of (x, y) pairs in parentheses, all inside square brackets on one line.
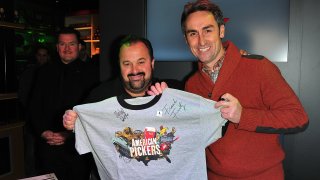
[(26, 84), (60, 86), (83, 54), (28, 76)]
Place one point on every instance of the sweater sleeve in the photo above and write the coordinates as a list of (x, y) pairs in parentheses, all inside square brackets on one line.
[(283, 112)]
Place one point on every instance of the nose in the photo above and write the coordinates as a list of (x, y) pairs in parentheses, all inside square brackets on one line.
[(201, 40), (66, 46), (134, 69)]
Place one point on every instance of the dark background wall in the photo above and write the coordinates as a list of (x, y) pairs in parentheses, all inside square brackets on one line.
[(122, 17), (301, 71), (118, 18)]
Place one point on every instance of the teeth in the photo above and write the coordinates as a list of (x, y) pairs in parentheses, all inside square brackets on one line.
[(204, 49)]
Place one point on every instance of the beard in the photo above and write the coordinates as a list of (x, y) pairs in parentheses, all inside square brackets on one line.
[(137, 86)]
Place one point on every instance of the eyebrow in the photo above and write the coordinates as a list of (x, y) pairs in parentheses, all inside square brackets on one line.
[(142, 58), (189, 31), (206, 27)]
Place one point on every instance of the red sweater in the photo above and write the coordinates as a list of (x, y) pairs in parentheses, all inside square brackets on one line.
[(250, 149)]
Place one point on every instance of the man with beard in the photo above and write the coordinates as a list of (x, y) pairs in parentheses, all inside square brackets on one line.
[(136, 62)]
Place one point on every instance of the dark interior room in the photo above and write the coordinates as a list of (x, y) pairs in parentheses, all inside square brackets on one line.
[(26, 25)]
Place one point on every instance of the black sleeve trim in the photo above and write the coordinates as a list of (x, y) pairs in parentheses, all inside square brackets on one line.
[(253, 56), (270, 130)]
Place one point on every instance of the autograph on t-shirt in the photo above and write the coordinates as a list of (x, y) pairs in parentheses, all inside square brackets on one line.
[(121, 114), (174, 108)]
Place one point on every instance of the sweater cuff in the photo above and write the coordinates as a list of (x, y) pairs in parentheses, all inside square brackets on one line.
[(248, 120)]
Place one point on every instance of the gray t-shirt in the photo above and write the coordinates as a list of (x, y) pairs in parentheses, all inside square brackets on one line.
[(154, 137)]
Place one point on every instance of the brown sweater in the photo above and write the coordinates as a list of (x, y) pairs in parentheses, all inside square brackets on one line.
[(250, 149)]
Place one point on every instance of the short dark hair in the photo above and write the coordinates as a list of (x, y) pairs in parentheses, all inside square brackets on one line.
[(41, 46), (201, 5), (130, 39), (69, 30)]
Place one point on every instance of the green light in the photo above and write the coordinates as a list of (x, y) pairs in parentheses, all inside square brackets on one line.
[(41, 40)]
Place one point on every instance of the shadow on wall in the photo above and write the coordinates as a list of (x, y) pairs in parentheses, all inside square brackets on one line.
[(180, 70)]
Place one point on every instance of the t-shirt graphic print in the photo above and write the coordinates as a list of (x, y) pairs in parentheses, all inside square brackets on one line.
[(149, 144), (149, 137)]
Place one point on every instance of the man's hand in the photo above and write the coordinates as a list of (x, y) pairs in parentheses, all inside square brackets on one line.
[(55, 138), (243, 52), (157, 88), (69, 119), (230, 108)]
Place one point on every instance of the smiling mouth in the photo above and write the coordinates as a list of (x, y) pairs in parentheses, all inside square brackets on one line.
[(136, 77), (204, 49)]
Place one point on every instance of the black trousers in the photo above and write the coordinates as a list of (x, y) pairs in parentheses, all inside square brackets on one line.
[(64, 161)]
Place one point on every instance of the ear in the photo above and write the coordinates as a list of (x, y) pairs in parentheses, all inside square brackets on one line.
[(79, 47), (222, 31), (57, 46), (152, 64)]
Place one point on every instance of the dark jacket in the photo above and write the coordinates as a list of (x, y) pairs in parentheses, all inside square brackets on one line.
[(59, 87)]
